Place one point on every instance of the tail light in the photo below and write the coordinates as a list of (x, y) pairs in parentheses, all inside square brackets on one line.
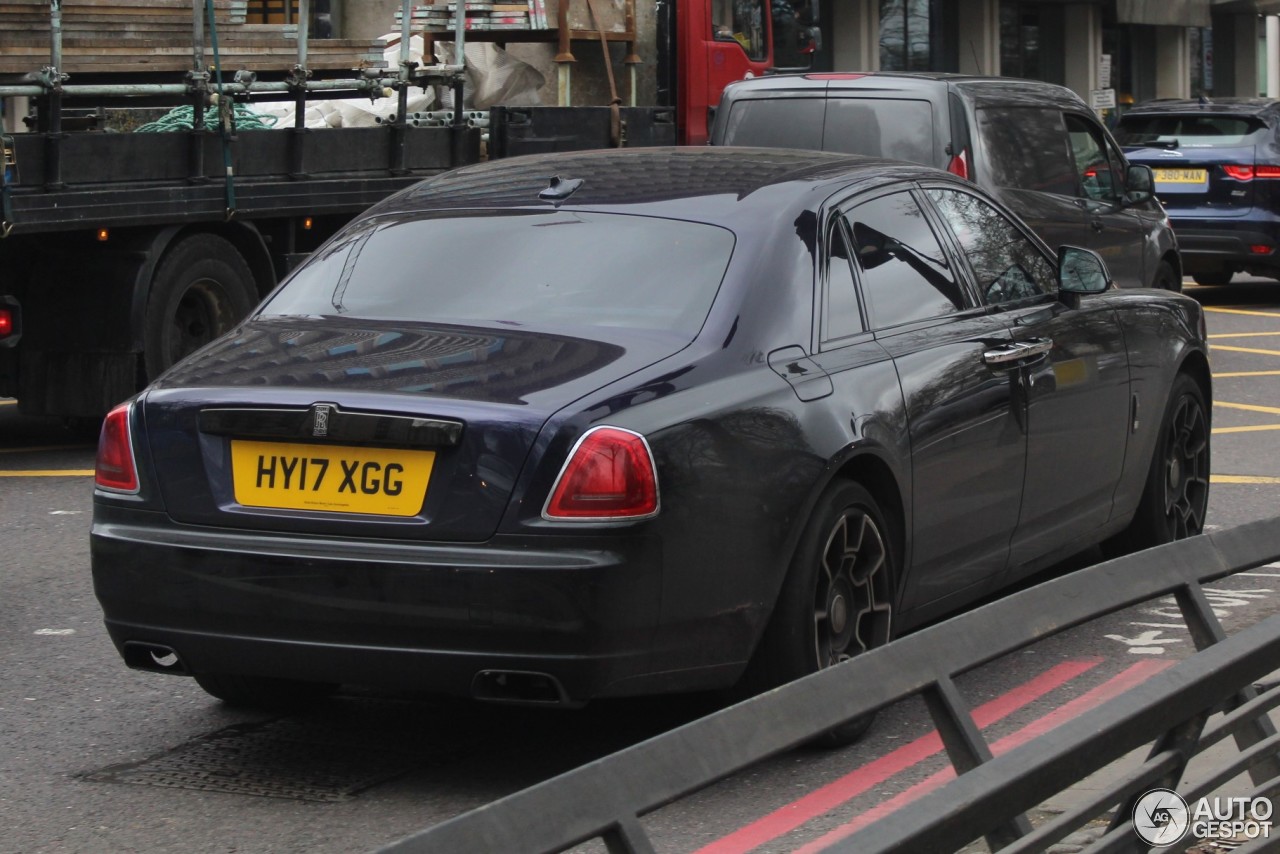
[(116, 470), (959, 164), (10, 321), (1248, 173), (610, 475)]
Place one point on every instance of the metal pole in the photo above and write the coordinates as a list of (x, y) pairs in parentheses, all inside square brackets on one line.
[(460, 33), (1273, 56), (53, 142)]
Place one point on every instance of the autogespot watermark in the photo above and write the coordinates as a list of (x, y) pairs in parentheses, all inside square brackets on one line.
[(1161, 817)]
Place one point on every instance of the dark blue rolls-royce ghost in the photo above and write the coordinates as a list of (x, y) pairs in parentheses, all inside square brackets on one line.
[(601, 424)]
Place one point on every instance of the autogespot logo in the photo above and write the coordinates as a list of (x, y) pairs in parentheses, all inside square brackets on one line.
[(1160, 817)]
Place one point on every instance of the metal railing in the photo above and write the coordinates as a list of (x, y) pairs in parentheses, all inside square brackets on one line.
[(605, 799)]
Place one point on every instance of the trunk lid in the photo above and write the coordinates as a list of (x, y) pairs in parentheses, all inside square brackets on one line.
[(1204, 163), (368, 428)]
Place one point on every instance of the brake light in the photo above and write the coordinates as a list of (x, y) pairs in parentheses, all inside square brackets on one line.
[(6, 322), (610, 475), (834, 75), (1266, 171), (116, 471), (1239, 173), (1261, 249), (959, 164)]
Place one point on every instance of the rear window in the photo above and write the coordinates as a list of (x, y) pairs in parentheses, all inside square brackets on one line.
[(525, 269), (1026, 149), (878, 127), (1196, 130), (776, 123)]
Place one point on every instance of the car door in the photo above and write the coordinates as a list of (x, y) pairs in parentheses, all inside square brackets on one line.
[(967, 447), (1114, 231), (1075, 389)]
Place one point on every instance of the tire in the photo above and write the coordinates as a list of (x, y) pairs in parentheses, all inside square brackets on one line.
[(1166, 278), (201, 289), (822, 618), (1176, 494), (261, 692), (1218, 277)]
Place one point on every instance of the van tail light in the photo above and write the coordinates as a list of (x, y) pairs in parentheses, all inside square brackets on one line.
[(116, 470), (610, 475), (7, 324), (959, 164)]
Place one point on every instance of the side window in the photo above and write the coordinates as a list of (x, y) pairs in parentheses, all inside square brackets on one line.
[(740, 21), (1007, 265), (1026, 149), (842, 317), (903, 269), (1098, 174)]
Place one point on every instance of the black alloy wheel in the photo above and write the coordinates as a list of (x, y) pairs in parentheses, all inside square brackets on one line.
[(836, 601), (851, 603), (1176, 495), (1185, 461)]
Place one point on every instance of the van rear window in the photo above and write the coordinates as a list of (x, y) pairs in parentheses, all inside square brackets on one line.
[(881, 127), (878, 127), (776, 123)]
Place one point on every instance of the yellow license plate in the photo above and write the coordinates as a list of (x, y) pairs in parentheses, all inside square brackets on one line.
[(336, 478), (1180, 176)]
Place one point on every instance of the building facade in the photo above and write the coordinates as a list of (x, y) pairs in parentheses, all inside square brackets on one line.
[(1129, 50)]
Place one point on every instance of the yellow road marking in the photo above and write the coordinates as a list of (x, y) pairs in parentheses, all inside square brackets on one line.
[(1247, 374), (1236, 478), (1243, 311), (1258, 429), (44, 448), (1243, 334), (1245, 350), (1248, 407), (7, 402), (49, 473)]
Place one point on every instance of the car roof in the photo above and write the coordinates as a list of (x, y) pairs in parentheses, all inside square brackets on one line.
[(1263, 107), (984, 91), (723, 183)]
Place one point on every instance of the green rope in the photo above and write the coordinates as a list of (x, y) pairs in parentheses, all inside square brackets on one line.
[(180, 119)]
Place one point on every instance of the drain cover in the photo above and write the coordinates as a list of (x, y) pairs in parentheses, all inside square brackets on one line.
[(286, 758)]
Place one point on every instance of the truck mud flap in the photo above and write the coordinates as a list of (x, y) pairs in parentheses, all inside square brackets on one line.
[(539, 130)]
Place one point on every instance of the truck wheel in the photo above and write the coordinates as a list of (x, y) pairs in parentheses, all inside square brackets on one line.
[(201, 289), (260, 692), (836, 601)]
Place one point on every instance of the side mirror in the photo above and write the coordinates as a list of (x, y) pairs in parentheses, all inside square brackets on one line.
[(1081, 271), (1139, 184)]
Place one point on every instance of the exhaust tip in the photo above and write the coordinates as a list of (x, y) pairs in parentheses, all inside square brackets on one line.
[(518, 686), (154, 657)]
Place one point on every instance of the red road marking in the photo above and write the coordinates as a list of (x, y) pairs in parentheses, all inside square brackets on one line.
[(851, 785), (1114, 686)]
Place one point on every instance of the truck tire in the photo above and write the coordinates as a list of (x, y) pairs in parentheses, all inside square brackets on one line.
[(201, 289)]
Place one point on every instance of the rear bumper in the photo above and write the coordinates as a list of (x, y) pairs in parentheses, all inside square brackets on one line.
[(386, 615), (1208, 245)]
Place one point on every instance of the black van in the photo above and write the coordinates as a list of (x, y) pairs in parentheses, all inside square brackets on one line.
[(1036, 146)]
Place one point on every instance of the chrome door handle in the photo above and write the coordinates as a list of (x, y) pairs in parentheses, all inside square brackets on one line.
[(1018, 351)]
